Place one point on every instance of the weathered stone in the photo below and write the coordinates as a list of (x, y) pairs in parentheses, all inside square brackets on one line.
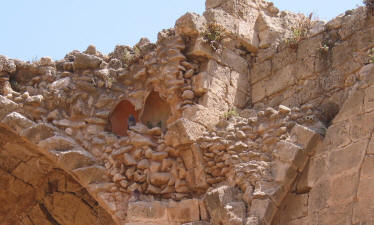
[(83, 61), (139, 140), (190, 24), (183, 211), (60, 84), (159, 179), (17, 122), (91, 174), (147, 211), (129, 160), (74, 159), (6, 106), (188, 94)]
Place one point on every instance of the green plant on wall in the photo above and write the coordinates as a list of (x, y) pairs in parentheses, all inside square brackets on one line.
[(300, 31), (231, 113), (213, 35)]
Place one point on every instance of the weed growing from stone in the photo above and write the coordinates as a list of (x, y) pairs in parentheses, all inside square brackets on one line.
[(213, 35), (231, 113), (300, 31)]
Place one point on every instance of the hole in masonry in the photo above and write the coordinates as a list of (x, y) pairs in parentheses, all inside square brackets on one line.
[(121, 116)]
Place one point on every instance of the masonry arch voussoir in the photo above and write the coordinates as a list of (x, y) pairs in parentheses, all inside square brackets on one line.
[(63, 153)]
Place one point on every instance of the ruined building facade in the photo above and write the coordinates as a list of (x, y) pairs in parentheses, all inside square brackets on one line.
[(244, 115)]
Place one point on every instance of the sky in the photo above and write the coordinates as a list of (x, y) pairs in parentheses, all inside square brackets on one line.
[(31, 29)]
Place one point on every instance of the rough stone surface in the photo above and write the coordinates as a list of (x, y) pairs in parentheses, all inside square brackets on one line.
[(229, 119)]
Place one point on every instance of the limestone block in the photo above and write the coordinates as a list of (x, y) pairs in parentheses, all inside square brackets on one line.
[(223, 207), (65, 207), (263, 209), (317, 28), (297, 207), (183, 211), (366, 74), (139, 140), (201, 48), (183, 131), (354, 105), (57, 143), (244, 30), (270, 29), (190, 24), (202, 115), (17, 122), (39, 132), (29, 172), (275, 191), (345, 189), (143, 164), (60, 84), (7, 65), (338, 135), (213, 3), (369, 99), (234, 61), (75, 158), (159, 178), (260, 70), (188, 94), (84, 61), (129, 160), (258, 91), (312, 173), (348, 158), (304, 137), (367, 168), (283, 172), (361, 126), (6, 106), (91, 174), (280, 80), (154, 211), (363, 209), (159, 156)]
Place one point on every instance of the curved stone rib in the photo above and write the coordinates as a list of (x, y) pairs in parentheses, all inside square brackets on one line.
[(72, 158), (291, 159)]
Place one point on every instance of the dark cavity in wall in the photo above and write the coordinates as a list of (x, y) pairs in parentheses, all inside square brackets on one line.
[(156, 111), (120, 116), (329, 111)]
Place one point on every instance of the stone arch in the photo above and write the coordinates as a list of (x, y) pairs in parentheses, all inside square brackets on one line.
[(61, 153), (120, 115), (33, 190), (156, 111)]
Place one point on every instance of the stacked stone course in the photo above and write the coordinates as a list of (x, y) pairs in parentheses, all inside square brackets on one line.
[(250, 131)]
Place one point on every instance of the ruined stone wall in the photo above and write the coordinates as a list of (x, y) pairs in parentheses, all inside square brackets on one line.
[(35, 191), (227, 119)]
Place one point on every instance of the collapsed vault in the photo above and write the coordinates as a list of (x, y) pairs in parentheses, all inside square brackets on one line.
[(223, 133)]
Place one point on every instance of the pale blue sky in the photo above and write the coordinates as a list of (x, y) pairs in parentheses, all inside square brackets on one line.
[(35, 28)]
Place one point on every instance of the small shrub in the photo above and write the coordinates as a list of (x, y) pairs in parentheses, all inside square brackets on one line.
[(213, 35), (371, 55), (300, 31), (231, 113)]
